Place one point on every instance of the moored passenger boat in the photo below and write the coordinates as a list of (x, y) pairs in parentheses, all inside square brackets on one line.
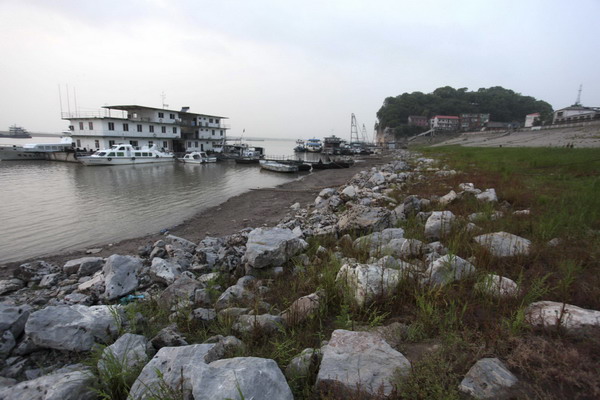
[(314, 145), (125, 154), (197, 157)]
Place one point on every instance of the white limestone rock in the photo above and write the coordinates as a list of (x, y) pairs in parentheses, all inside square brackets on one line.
[(349, 193), (174, 368), (121, 275), (13, 318), (267, 323), (488, 379), (272, 247), (447, 198), (164, 271), (448, 269), (503, 244), (375, 241), (130, 351), (369, 281), (359, 361), (240, 377), (488, 195), (73, 328), (404, 248), (71, 383), (497, 286), (181, 243), (83, 266), (438, 224), (570, 317), (365, 219)]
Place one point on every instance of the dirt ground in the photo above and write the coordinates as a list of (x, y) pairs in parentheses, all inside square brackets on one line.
[(263, 207), (587, 136)]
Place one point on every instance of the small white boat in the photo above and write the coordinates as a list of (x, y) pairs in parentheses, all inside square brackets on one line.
[(34, 151), (277, 166), (125, 154), (197, 157)]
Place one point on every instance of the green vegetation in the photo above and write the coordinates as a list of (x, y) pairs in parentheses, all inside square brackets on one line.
[(503, 105), (445, 330)]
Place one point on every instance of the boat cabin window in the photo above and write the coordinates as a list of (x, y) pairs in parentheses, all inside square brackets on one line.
[(111, 154), (196, 157), (138, 154), (121, 148), (145, 154), (101, 153), (120, 154)]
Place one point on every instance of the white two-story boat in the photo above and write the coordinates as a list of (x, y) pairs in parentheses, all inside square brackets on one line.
[(123, 154), (314, 145)]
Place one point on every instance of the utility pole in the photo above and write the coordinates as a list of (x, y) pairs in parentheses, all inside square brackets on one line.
[(578, 101)]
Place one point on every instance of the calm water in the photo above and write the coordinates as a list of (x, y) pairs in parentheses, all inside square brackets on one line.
[(47, 207)]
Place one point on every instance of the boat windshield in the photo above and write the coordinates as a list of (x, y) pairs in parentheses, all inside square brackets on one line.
[(101, 153)]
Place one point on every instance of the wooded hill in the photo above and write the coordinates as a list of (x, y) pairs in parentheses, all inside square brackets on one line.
[(503, 105)]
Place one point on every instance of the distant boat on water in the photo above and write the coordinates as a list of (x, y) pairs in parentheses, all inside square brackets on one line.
[(16, 132)]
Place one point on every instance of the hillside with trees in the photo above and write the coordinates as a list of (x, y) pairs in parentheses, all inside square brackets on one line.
[(503, 105)]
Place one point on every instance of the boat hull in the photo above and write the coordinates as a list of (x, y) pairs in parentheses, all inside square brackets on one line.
[(92, 161), (278, 167), (16, 154)]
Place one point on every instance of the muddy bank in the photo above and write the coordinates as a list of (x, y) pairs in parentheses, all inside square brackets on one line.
[(251, 209)]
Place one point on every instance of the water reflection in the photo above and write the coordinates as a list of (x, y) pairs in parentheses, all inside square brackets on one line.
[(48, 207)]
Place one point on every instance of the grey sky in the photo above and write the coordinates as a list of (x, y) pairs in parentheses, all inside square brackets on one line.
[(292, 69)]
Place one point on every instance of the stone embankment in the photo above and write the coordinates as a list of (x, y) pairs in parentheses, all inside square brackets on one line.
[(52, 314)]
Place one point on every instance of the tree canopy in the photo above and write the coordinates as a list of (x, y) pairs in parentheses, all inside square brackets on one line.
[(503, 105)]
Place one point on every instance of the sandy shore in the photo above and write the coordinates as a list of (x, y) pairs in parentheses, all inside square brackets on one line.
[(251, 209)]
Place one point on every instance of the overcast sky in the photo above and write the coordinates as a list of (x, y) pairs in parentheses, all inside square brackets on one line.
[(282, 68)]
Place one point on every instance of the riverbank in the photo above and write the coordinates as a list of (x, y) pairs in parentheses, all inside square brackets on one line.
[(251, 209)]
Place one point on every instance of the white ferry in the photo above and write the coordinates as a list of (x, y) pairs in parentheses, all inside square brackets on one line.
[(314, 145), (125, 154), (34, 151)]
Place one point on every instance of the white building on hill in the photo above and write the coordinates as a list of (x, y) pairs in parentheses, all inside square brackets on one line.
[(178, 131), (575, 113)]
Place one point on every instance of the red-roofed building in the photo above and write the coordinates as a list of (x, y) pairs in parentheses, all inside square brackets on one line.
[(530, 119), (445, 123)]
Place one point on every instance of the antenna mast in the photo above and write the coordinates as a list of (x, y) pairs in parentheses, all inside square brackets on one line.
[(578, 101), (163, 96)]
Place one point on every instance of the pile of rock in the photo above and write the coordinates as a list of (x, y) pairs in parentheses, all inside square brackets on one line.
[(49, 310)]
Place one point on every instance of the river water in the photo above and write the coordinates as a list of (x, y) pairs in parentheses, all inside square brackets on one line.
[(48, 207)]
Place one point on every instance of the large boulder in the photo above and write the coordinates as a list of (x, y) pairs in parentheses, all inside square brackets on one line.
[(74, 328), (403, 248), (570, 317), (267, 323), (366, 282), (272, 247), (365, 219), (488, 379), (129, 351), (164, 271), (376, 240), (83, 266), (301, 309), (13, 318), (240, 378), (180, 293), (121, 275), (448, 269), (71, 383), (181, 243), (35, 271), (438, 224), (172, 368), (503, 244), (359, 362)]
